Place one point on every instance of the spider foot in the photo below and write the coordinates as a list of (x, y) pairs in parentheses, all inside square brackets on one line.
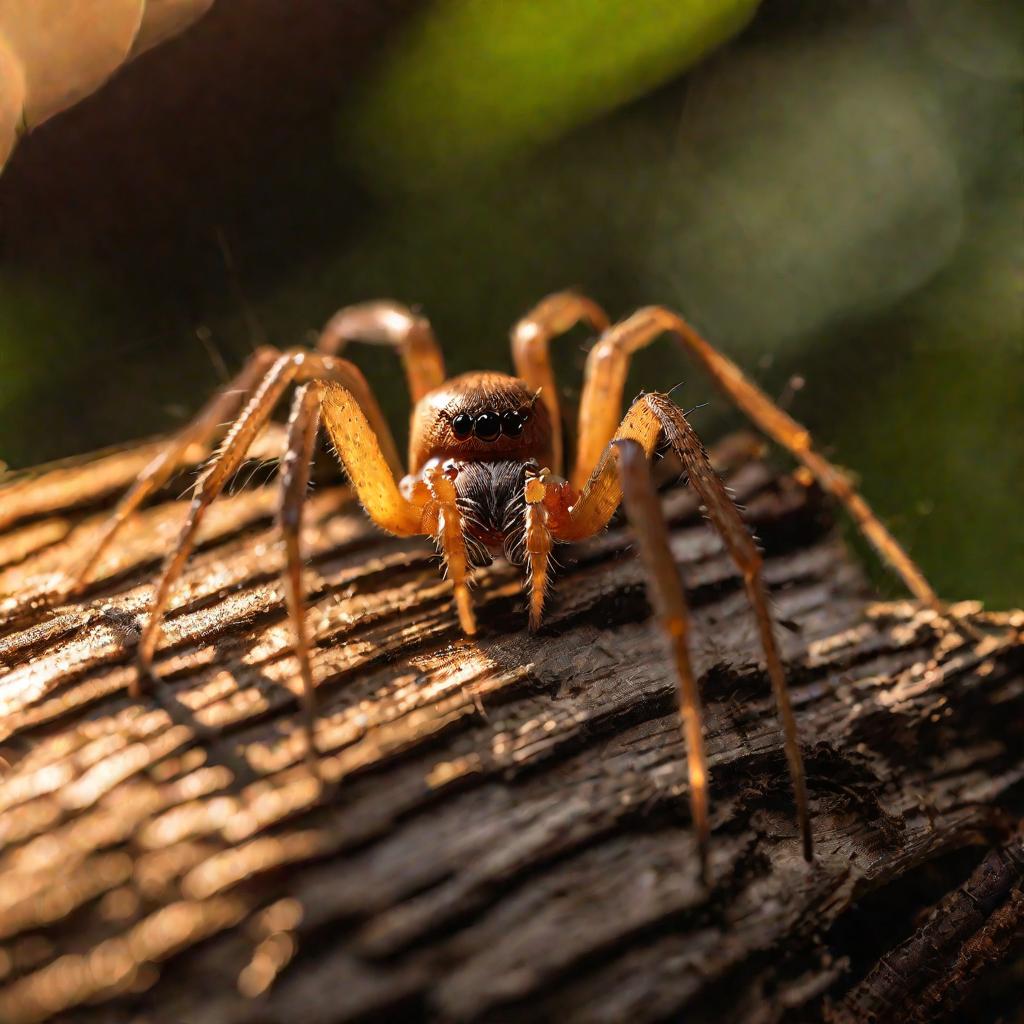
[(146, 679)]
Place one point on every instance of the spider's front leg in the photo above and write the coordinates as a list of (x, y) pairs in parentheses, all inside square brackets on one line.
[(369, 461), (644, 510), (358, 447), (298, 454), (210, 421), (623, 475)]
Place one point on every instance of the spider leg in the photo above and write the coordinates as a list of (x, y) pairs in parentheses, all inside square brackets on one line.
[(650, 418), (531, 339), (722, 511), (389, 323), (301, 440), (443, 519), (200, 431), (607, 366), (644, 510), (602, 493), (365, 460)]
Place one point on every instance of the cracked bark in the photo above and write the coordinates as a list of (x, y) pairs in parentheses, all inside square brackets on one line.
[(503, 831)]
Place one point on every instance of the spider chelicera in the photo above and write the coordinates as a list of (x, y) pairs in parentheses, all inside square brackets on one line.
[(485, 455)]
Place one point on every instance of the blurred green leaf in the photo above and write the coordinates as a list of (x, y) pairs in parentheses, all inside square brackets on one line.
[(476, 82), (50, 331)]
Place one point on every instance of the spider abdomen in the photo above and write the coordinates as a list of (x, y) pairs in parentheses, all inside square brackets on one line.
[(480, 417)]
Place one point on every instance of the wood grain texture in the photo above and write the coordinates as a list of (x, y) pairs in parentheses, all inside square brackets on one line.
[(502, 834)]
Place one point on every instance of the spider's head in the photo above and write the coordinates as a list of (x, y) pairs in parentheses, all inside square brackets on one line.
[(480, 417)]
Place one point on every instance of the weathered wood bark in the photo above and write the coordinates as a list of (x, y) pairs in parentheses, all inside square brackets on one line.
[(503, 832)]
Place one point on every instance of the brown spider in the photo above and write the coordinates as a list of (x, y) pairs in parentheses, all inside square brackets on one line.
[(484, 456)]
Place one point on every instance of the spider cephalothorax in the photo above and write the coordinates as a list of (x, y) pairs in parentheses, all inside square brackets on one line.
[(480, 416), (489, 434), (485, 451)]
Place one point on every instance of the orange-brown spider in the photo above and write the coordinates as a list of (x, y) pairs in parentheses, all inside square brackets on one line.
[(484, 456)]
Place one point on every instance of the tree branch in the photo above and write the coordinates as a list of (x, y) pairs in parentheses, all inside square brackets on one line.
[(503, 829)]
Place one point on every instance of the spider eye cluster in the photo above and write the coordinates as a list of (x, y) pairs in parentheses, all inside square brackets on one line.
[(489, 426)]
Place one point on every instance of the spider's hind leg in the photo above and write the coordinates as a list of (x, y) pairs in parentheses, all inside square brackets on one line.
[(601, 402), (200, 431), (531, 344), (390, 323)]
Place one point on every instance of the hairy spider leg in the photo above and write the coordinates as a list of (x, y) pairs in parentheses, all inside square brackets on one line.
[(531, 344), (369, 459), (649, 419), (600, 405), (201, 430), (390, 323), (294, 481), (722, 511), (643, 508)]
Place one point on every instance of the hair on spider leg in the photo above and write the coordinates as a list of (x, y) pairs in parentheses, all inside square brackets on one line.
[(555, 563), (665, 464), (257, 466), (232, 486)]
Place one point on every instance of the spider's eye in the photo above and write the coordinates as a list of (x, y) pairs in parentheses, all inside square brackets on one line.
[(512, 423), (462, 426), (488, 426)]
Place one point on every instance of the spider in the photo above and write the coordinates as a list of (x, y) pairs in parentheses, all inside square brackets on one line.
[(485, 456)]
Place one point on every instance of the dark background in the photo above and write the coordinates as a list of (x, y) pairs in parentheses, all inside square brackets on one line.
[(833, 192)]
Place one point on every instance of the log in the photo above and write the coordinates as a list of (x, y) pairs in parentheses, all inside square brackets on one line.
[(502, 830)]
